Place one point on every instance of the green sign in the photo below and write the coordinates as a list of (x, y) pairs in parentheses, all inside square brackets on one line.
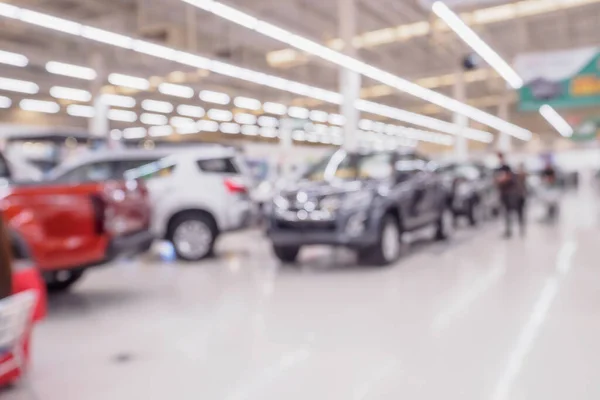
[(587, 130), (564, 79)]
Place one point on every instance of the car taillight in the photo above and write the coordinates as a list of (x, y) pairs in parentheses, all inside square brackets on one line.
[(235, 186)]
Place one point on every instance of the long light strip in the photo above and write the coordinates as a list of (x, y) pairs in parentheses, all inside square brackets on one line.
[(5, 102), (479, 46), (357, 66), (558, 122), (67, 93), (496, 62), (73, 71), (43, 106), (10, 11)]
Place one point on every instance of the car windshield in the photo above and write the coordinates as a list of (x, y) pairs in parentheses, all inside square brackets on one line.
[(343, 166)]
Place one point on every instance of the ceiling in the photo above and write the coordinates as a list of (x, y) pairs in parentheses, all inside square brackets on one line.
[(429, 56)]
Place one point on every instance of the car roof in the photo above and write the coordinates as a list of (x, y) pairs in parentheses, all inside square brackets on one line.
[(199, 152)]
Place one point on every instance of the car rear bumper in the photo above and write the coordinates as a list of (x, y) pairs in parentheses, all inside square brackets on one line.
[(129, 245)]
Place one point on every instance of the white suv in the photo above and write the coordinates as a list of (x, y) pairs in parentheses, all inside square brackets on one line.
[(196, 193)]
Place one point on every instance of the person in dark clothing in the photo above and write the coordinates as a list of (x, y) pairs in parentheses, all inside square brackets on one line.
[(508, 186), (521, 192), (550, 182)]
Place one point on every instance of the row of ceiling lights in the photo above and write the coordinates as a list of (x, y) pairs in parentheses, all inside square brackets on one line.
[(156, 106), (188, 59), (267, 29)]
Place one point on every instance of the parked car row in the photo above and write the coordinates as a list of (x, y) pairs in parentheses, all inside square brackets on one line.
[(107, 204), (368, 201)]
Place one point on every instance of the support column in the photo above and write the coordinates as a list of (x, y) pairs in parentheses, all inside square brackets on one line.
[(504, 143), (98, 125), (350, 82), (461, 149)]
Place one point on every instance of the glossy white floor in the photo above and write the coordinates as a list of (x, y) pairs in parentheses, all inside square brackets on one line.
[(477, 318)]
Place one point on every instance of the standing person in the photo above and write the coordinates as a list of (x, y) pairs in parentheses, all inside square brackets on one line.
[(507, 186), (521, 193), (550, 187)]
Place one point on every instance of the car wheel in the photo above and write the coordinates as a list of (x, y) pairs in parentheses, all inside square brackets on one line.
[(61, 281), (444, 225), (475, 213), (389, 247), (193, 236), (287, 254)]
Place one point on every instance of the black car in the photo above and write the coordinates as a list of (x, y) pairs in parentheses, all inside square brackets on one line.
[(473, 193), (364, 201)]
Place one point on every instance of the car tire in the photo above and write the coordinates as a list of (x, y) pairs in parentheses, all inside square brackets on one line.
[(473, 214), (388, 247), (286, 254), (61, 281), (444, 225), (193, 236)]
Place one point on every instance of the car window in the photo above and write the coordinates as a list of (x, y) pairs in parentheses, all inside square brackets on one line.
[(352, 166), (410, 164), (126, 165), (94, 172), (375, 166), (218, 165), (4, 168), (156, 169)]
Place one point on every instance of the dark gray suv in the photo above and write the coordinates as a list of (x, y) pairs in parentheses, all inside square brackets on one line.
[(364, 201)]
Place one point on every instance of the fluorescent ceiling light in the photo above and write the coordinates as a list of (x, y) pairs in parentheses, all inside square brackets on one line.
[(116, 134), (50, 22), (132, 82), (159, 131), (14, 59), (243, 118), (155, 50), (171, 89), (15, 85), (73, 71), (370, 71), (134, 133), (157, 106), (214, 97), (247, 103), (43, 106), (100, 35), (122, 115), (190, 111), (250, 130), (268, 122), (116, 100), (337, 119), (181, 121), (187, 129), (319, 116), (275, 108), (208, 126), (230, 127), (478, 45), (78, 110), (220, 115), (298, 112), (268, 132), (555, 119), (273, 82), (153, 119), (66, 93), (5, 102)]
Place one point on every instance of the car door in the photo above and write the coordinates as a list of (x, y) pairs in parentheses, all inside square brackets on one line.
[(420, 202)]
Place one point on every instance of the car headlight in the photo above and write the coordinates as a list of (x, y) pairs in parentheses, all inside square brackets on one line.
[(281, 202), (358, 200)]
